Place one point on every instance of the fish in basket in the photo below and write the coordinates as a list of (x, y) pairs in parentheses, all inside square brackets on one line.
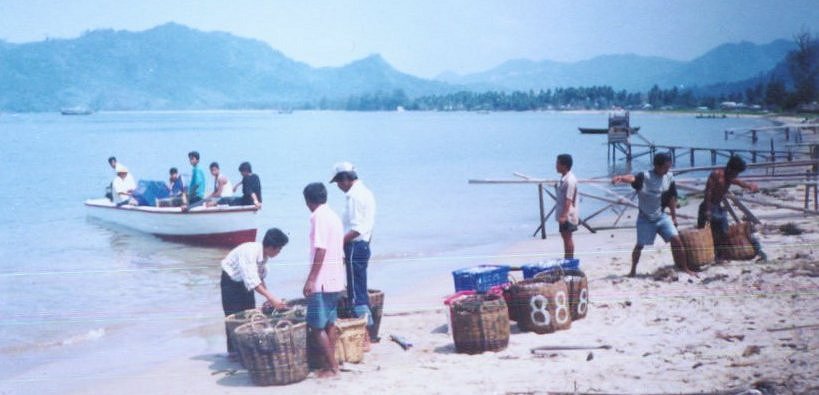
[(737, 245), (350, 343), (578, 287), (232, 322), (479, 323), (274, 352), (699, 247)]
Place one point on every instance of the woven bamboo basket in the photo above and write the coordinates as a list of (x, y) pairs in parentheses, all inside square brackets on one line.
[(737, 245), (529, 306), (578, 287), (480, 323), (350, 343), (699, 247), (235, 320), (275, 353), (557, 294)]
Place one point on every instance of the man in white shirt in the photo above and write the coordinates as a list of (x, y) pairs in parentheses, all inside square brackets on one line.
[(243, 272), (566, 205), (358, 220), (122, 188)]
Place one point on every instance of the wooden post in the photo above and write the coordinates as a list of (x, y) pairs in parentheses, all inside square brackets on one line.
[(753, 156), (787, 134), (673, 156), (730, 209), (713, 157), (542, 212), (692, 157), (773, 153), (753, 136)]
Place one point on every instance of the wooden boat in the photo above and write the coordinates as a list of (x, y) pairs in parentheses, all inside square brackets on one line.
[(226, 226), (76, 111), (601, 130)]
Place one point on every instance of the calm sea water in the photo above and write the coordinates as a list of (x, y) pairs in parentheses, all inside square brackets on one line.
[(70, 286)]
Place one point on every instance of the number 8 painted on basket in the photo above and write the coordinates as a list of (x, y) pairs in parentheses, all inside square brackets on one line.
[(584, 301), (542, 309), (562, 308)]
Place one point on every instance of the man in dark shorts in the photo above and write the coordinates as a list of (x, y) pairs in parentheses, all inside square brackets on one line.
[(566, 205), (711, 209)]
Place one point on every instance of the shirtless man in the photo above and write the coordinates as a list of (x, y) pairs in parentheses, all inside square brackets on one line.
[(711, 209)]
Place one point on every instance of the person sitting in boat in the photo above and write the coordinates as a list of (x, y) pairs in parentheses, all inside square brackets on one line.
[(112, 161), (243, 272), (176, 189), (251, 188), (123, 186), (222, 187)]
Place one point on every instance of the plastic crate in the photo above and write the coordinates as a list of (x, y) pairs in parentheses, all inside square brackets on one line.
[(480, 278), (529, 271)]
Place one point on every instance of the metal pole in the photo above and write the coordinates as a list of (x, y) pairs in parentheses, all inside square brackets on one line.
[(542, 212)]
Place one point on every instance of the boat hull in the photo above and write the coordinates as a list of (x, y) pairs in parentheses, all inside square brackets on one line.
[(218, 226)]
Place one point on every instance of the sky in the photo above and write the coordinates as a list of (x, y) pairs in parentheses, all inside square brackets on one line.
[(428, 37)]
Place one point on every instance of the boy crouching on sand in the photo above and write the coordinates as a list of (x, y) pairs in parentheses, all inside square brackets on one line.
[(326, 279), (243, 271)]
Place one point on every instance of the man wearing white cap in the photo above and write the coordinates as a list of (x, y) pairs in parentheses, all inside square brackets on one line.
[(358, 220), (123, 186)]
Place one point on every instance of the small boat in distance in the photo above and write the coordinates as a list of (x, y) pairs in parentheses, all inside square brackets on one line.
[(224, 226), (76, 111)]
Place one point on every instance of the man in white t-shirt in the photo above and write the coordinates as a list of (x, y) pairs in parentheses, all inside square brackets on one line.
[(566, 205)]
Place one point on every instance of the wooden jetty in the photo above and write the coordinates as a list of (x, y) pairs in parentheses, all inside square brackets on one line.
[(621, 140), (620, 203)]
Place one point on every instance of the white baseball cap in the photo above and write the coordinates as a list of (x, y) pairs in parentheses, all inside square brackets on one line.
[(121, 169), (342, 167)]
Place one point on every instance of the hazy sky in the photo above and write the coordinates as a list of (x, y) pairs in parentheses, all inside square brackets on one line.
[(427, 37)]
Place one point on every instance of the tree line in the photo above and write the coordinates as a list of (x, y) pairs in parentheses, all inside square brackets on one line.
[(774, 92)]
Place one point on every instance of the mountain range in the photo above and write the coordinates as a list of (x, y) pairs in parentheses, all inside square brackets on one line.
[(725, 63), (175, 67)]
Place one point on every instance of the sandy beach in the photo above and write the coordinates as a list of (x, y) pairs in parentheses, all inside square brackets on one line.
[(736, 326)]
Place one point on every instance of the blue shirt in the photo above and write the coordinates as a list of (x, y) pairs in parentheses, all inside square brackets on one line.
[(197, 187), (177, 187)]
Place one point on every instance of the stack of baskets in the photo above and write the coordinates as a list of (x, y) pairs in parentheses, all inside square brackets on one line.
[(737, 243), (274, 352), (699, 247), (479, 323)]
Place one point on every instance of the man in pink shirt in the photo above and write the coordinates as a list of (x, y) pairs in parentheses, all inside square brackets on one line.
[(326, 279)]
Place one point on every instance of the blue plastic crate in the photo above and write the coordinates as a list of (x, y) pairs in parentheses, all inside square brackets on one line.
[(530, 270), (480, 278)]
